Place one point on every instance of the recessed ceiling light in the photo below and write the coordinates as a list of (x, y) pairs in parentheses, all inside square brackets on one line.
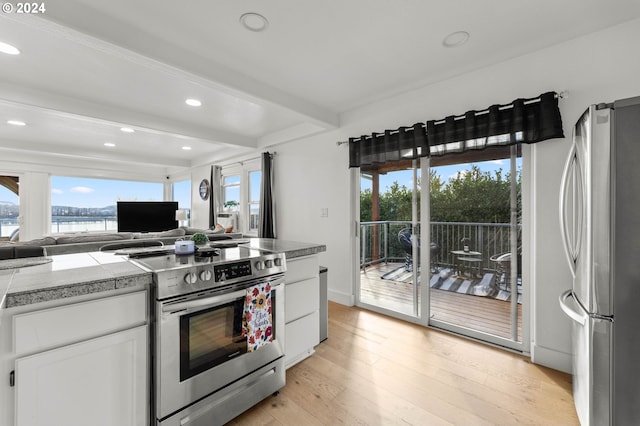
[(193, 102), (456, 39), (17, 123), (109, 144), (254, 22), (186, 148), (8, 49), (127, 129)]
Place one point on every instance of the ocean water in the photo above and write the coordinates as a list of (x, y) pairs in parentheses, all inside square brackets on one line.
[(61, 225)]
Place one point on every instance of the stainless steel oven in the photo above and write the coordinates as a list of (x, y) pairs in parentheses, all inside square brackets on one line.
[(204, 372)]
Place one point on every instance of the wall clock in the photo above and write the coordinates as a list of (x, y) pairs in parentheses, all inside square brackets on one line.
[(204, 189)]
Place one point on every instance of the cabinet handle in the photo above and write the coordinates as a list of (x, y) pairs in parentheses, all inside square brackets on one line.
[(12, 378)]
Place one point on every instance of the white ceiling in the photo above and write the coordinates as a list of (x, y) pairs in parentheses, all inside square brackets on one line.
[(89, 67)]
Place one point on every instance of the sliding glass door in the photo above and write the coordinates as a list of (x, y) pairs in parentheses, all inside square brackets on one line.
[(476, 284), (466, 282), (389, 261)]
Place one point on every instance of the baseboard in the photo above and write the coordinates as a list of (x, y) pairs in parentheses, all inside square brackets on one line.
[(342, 298), (551, 358)]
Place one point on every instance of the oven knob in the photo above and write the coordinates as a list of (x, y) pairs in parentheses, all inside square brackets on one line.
[(259, 265), (205, 275), (191, 278), (277, 261), (268, 263)]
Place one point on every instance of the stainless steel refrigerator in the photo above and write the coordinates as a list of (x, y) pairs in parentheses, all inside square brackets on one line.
[(600, 221)]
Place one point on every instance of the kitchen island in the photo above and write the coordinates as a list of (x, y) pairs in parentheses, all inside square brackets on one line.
[(75, 334), (71, 275)]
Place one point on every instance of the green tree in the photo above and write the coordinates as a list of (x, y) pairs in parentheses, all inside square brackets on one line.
[(395, 204), (471, 196), (365, 206)]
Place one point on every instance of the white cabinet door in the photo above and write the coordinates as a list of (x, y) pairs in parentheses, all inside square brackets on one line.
[(99, 382)]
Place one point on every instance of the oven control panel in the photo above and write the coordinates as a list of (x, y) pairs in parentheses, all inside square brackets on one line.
[(229, 271)]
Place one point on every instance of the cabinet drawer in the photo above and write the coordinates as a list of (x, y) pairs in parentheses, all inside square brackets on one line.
[(301, 268), (49, 328), (301, 336), (301, 298)]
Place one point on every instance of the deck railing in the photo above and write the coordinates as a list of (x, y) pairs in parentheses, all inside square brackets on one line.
[(379, 241)]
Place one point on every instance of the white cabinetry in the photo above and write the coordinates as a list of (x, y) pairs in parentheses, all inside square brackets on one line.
[(78, 364), (302, 318), (98, 382)]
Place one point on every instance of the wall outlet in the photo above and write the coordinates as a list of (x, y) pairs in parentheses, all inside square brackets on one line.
[(324, 212)]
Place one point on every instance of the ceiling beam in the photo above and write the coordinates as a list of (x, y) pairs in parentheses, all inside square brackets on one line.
[(56, 151), (11, 183), (13, 94)]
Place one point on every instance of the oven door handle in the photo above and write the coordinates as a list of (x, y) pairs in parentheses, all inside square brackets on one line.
[(206, 302)]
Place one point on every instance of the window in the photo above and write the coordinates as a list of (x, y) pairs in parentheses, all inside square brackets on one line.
[(9, 206), (241, 194), (231, 192), (182, 194), (255, 179), (85, 204)]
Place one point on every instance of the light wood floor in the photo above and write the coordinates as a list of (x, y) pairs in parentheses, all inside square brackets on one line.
[(483, 314), (376, 370)]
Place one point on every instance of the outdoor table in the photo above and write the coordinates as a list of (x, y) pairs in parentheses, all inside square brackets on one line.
[(473, 258)]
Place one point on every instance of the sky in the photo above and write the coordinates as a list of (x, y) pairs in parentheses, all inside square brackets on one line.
[(8, 196), (405, 177)]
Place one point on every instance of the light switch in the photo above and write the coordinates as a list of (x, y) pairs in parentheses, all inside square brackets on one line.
[(324, 212)]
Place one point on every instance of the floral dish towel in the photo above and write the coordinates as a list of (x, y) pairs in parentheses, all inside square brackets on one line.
[(257, 322)]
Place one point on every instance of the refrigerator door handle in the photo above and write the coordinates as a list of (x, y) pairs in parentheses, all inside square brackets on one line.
[(579, 317), (564, 226)]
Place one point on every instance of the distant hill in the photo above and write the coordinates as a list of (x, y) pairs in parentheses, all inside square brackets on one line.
[(83, 211)]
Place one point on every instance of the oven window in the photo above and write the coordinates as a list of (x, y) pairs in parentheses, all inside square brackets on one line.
[(211, 337)]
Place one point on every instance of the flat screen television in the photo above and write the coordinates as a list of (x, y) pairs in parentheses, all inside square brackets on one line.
[(147, 216)]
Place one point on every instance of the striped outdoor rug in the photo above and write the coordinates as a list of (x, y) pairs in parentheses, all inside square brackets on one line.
[(486, 286)]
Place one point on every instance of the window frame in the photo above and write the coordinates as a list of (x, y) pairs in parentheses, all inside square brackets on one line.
[(243, 170)]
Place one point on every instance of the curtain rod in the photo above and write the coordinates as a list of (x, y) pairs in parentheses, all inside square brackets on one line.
[(272, 154), (561, 95)]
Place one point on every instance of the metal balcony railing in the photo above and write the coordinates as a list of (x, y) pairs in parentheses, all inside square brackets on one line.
[(379, 241)]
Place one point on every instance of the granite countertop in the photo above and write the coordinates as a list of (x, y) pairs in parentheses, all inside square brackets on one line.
[(68, 275), (291, 249)]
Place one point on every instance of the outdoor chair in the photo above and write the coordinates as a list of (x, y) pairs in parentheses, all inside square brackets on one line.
[(503, 267)]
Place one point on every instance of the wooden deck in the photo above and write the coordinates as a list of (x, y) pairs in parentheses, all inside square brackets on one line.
[(484, 314)]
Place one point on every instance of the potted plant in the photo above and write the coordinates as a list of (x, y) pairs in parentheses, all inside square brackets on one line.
[(231, 205), (465, 244), (199, 238)]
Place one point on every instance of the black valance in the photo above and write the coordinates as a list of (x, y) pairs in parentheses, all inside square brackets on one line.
[(521, 121)]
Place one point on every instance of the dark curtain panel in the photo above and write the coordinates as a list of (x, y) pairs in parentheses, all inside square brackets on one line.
[(212, 201), (392, 145), (267, 221), (522, 121)]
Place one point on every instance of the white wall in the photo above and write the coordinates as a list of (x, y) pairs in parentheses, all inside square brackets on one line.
[(312, 173), (199, 207)]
